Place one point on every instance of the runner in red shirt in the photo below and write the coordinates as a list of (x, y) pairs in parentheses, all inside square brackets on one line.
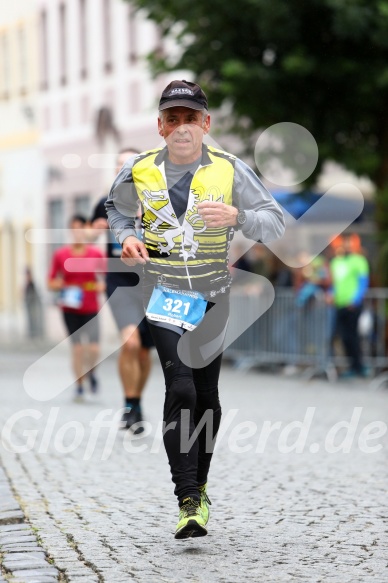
[(79, 287)]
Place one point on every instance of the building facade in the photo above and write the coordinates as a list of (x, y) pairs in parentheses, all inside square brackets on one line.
[(96, 95), (21, 164), (75, 87)]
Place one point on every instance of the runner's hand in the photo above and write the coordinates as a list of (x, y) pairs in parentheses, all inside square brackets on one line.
[(134, 251), (217, 214)]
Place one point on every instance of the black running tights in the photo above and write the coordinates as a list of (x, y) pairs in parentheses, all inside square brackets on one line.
[(191, 398)]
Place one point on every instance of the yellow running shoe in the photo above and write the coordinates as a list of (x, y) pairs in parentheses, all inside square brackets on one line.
[(191, 522), (204, 502)]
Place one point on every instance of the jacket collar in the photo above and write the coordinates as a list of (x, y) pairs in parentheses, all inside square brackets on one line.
[(205, 160)]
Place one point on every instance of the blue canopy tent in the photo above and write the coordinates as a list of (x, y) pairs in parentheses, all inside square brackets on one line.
[(297, 203)]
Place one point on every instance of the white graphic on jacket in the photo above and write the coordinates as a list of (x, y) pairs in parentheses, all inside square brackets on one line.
[(191, 226)]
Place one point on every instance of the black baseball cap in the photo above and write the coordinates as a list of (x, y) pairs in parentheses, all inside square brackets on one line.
[(183, 94)]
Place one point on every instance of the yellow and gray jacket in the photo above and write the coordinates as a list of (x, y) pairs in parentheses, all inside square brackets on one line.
[(185, 254)]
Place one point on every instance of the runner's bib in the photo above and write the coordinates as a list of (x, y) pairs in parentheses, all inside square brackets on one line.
[(71, 297), (184, 308)]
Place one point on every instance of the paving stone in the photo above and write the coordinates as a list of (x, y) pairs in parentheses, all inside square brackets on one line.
[(36, 579), (29, 573), (8, 501), (7, 516), (20, 548), (12, 537), (24, 558), (27, 563), (13, 527), (112, 520)]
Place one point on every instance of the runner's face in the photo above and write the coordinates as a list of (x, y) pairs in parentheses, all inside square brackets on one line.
[(183, 129)]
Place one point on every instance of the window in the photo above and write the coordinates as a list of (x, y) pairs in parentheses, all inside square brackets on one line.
[(43, 51), (65, 114), (82, 205), (46, 119), (84, 109), (83, 42), (5, 70), (107, 25), (159, 45), (22, 48), (134, 100), (62, 44), (132, 35), (56, 215), (56, 221)]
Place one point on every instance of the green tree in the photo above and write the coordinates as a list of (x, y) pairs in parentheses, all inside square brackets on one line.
[(319, 63)]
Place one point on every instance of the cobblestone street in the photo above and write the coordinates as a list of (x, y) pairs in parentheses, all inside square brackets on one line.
[(85, 503)]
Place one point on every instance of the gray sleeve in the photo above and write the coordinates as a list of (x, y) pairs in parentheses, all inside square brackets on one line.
[(122, 204), (265, 220)]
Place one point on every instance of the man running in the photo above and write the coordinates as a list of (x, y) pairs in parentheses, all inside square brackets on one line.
[(194, 197), (126, 302), (78, 300)]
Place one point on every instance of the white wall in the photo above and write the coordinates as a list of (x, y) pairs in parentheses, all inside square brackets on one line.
[(128, 89)]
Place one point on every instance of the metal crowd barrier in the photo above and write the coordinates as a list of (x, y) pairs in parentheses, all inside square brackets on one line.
[(300, 334)]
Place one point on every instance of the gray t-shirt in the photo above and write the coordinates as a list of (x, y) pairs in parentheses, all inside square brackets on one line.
[(179, 177)]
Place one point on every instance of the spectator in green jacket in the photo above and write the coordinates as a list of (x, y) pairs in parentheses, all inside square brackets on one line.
[(350, 276)]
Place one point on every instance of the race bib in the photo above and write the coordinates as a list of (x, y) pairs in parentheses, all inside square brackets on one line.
[(184, 308), (71, 297)]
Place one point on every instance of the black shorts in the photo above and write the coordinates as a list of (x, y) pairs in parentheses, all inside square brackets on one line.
[(126, 303), (82, 325)]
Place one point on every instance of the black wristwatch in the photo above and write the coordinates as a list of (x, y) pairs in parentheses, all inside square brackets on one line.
[(241, 218)]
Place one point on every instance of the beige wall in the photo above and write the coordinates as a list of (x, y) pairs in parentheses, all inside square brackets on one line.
[(20, 165)]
